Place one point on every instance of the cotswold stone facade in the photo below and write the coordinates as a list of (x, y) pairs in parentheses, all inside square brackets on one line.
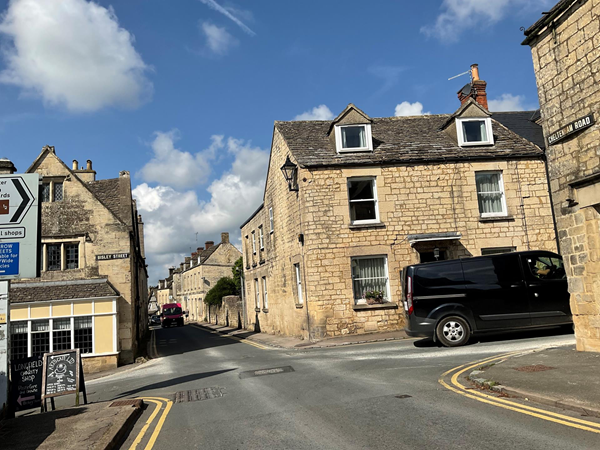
[(565, 46), (92, 292), (309, 255)]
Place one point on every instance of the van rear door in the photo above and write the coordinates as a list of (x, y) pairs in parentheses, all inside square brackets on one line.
[(547, 289), (437, 284), (496, 292)]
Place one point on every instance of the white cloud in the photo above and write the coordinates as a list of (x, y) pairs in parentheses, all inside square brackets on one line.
[(72, 53), (173, 167), (320, 112), (460, 15), (509, 102), (410, 109), (172, 218), (231, 13), (218, 40)]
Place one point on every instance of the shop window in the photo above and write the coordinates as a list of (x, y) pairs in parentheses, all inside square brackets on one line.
[(40, 337), (61, 334), (18, 340), (83, 334)]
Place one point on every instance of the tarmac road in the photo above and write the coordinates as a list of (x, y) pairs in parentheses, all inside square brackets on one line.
[(371, 396)]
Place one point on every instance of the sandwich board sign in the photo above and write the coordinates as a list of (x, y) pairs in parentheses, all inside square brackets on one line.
[(62, 375), (26, 382), (19, 223)]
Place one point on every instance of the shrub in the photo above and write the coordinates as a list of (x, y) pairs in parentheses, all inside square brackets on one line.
[(225, 286)]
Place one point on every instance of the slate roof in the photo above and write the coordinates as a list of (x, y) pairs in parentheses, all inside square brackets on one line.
[(523, 123), (107, 191), (205, 254), (399, 140), (61, 290)]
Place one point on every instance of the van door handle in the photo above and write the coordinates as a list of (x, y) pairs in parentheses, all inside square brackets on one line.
[(535, 294), (515, 285)]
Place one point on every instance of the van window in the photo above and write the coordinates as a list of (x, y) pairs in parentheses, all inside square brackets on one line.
[(439, 275), (492, 270), (546, 268)]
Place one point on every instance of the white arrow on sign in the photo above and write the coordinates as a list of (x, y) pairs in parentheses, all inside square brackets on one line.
[(15, 200)]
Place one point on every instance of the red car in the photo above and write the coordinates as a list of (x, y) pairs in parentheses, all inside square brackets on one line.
[(171, 314)]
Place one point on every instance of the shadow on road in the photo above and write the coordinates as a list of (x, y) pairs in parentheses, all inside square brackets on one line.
[(501, 336), (173, 382)]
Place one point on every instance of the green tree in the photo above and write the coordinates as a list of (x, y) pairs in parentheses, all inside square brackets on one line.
[(238, 271), (225, 286)]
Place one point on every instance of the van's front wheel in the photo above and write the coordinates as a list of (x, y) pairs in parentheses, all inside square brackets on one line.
[(453, 331)]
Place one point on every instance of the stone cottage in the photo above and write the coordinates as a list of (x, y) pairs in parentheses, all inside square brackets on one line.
[(92, 293), (349, 202), (565, 45)]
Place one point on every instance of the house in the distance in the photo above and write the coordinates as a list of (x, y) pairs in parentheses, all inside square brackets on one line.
[(349, 202)]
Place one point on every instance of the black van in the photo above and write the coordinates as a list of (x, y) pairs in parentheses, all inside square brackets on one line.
[(450, 300)]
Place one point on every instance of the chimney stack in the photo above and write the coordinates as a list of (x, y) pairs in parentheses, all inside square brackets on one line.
[(476, 89), (208, 244), (224, 238), (7, 167), (199, 249), (171, 270)]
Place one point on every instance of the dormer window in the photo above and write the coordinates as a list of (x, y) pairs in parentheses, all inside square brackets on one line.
[(353, 138), (474, 131)]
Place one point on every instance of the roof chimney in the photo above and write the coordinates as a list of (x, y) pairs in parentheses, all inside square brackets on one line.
[(7, 167), (476, 89), (199, 249), (171, 270), (224, 238), (75, 164), (89, 164), (208, 244)]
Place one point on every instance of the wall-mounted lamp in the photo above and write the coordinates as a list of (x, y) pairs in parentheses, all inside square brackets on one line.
[(290, 172)]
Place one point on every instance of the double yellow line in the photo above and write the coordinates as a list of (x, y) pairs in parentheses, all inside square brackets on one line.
[(162, 404), (457, 387)]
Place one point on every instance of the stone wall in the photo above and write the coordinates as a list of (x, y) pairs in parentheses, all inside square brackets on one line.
[(229, 314), (312, 229), (566, 65)]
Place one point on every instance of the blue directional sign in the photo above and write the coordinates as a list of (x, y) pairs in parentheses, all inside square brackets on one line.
[(9, 258)]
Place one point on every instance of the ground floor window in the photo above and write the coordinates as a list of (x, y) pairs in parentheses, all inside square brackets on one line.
[(18, 340), (83, 334), (40, 337), (61, 334), (370, 278)]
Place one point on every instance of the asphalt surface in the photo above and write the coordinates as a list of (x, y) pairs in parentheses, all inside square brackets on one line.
[(370, 396)]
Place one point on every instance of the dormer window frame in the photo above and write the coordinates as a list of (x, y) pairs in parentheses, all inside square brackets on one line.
[(368, 138), (460, 131)]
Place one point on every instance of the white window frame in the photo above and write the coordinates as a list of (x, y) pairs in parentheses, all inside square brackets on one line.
[(374, 187), (504, 212), (387, 298), (488, 129), (253, 242), (299, 283), (261, 238), (265, 293), (257, 293), (271, 220), (368, 137)]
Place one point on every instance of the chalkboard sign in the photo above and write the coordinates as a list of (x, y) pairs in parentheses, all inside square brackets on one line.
[(26, 382), (61, 374)]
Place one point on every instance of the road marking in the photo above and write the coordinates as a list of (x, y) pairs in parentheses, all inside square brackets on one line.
[(509, 404), (235, 338), (140, 436), (160, 423)]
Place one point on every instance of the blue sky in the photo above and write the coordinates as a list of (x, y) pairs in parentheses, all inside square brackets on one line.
[(184, 94)]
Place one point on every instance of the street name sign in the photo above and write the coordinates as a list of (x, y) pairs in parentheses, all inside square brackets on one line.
[(26, 382), (571, 128), (19, 210), (112, 256)]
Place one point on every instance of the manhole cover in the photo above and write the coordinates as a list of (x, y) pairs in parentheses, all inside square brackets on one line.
[(133, 402), (403, 396), (534, 368), (261, 372), (199, 394)]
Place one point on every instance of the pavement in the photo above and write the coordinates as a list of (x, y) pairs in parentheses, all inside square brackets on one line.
[(560, 377), (95, 426), (291, 343)]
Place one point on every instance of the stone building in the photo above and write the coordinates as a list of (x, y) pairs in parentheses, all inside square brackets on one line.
[(565, 45), (364, 197), (200, 272), (92, 291)]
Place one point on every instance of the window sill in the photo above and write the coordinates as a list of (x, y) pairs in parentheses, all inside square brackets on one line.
[(254, 265), (360, 226), (496, 218), (387, 305), (265, 310), (257, 309), (261, 262), (299, 305)]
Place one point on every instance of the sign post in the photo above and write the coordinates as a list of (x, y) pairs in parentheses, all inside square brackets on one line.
[(18, 252)]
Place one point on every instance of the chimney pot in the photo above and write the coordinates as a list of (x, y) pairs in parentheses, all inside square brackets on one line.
[(208, 244), (474, 72), (225, 238), (89, 164), (75, 164), (171, 270), (475, 89)]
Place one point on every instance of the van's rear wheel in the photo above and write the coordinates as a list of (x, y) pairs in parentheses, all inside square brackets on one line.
[(453, 331)]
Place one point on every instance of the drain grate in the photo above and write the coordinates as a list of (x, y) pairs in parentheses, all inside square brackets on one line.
[(262, 372), (133, 402), (403, 396), (199, 394)]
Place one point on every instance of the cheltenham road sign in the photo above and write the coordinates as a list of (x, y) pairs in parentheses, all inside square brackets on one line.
[(18, 225)]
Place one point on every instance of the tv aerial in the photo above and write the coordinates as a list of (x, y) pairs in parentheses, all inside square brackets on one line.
[(459, 75)]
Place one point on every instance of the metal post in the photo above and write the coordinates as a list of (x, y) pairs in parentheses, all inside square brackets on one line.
[(4, 346)]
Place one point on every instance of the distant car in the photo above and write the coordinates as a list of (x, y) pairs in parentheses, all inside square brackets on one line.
[(451, 300), (155, 319), (171, 314)]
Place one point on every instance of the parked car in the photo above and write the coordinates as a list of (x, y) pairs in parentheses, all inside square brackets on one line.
[(154, 319), (451, 300)]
